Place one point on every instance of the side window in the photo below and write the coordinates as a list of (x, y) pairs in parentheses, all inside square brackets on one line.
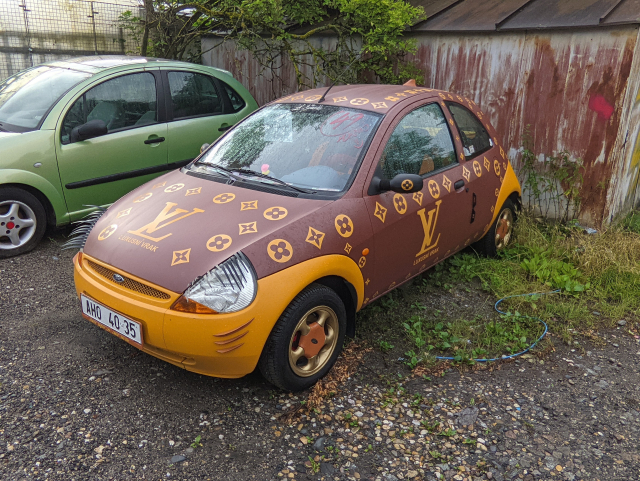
[(237, 102), (121, 103), (74, 118), (193, 95), (420, 144), (474, 136)]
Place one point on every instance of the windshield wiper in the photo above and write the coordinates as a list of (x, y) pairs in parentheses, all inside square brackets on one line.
[(223, 170), (274, 179)]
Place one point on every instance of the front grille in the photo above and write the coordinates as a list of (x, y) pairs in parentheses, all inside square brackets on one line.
[(129, 283)]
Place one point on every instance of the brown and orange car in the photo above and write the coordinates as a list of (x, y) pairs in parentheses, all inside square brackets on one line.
[(261, 251)]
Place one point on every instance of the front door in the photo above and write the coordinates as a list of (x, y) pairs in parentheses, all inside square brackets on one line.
[(414, 231), (99, 171), (199, 113)]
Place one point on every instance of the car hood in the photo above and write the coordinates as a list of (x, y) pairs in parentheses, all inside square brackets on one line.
[(178, 227)]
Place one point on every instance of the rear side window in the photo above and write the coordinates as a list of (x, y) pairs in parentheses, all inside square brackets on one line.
[(193, 95), (475, 138), (121, 103), (237, 102)]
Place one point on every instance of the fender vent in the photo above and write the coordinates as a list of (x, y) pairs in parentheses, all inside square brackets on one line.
[(129, 283)]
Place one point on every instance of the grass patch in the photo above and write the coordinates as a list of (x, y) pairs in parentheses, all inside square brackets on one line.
[(449, 311)]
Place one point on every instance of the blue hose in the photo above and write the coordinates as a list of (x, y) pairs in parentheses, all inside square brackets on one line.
[(546, 328)]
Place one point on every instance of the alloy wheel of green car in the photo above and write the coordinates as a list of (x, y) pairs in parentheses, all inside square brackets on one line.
[(22, 222)]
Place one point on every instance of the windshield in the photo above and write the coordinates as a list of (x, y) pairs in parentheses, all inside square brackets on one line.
[(316, 147), (27, 96)]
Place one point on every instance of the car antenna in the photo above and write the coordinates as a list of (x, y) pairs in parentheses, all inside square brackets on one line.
[(337, 78)]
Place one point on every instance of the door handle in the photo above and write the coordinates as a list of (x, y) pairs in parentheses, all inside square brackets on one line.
[(459, 184), (154, 141), (225, 127)]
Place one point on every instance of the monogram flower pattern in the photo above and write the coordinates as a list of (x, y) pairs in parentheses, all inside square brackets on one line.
[(279, 250), (344, 225)]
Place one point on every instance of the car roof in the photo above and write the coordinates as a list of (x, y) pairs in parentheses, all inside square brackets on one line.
[(373, 97), (97, 63)]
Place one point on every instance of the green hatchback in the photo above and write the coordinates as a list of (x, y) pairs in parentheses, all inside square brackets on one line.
[(83, 132)]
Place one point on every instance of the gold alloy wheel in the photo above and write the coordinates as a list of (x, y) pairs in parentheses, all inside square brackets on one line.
[(504, 228), (313, 341)]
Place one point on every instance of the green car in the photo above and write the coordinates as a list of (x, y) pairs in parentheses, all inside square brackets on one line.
[(83, 132)]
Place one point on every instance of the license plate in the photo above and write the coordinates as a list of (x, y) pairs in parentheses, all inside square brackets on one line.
[(112, 320)]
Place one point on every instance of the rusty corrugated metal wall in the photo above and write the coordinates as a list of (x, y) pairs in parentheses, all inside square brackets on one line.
[(569, 86)]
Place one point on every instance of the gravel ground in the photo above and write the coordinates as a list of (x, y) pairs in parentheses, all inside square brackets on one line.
[(77, 403)]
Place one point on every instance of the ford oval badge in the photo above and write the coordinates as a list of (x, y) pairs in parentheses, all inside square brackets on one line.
[(118, 278)]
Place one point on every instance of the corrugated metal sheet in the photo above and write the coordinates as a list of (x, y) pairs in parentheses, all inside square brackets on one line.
[(569, 87), (475, 15), (491, 15), (625, 191), (560, 14)]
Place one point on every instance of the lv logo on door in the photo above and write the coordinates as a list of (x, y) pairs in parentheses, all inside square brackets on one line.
[(429, 222), (157, 223)]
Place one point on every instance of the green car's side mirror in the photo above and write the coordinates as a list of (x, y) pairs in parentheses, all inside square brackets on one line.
[(401, 183), (93, 128)]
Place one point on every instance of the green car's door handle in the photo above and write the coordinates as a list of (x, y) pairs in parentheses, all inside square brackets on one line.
[(154, 141), (225, 127)]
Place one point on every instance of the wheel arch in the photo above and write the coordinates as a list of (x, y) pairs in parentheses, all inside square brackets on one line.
[(348, 295), (42, 198)]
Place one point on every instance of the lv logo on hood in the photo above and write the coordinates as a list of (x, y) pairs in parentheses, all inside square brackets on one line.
[(157, 223)]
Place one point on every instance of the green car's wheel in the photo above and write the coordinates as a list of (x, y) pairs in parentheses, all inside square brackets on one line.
[(23, 221), (306, 340), (500, 232)]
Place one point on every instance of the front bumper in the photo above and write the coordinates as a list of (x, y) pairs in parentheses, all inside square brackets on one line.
[(220, 345)]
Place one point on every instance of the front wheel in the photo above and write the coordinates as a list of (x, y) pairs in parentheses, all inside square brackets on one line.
[(306, 340), (500, 232), (23, 221)]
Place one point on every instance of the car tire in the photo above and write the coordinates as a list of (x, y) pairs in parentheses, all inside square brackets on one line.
[(284, 361), (18, 237), (500, 232)]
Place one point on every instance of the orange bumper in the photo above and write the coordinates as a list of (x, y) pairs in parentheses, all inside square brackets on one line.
[(220, 345)]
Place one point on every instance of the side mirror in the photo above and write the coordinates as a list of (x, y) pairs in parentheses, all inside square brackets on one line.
[(93, 128), (401, 183), (204, 147)]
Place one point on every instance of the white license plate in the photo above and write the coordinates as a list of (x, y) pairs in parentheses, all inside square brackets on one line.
[(112, 320)]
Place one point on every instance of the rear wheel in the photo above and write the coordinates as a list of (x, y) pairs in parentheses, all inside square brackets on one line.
[(500, 232), (23, 222), (306, 340)]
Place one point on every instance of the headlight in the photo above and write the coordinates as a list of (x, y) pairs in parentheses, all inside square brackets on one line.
[(228, 287)]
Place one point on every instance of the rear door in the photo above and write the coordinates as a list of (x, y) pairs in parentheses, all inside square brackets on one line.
[(199, 112), (99, 171)]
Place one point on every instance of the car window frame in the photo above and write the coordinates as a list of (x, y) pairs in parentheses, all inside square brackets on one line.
[(372, 189), (226, 103), (479, 152), (229, 108), (160, 102)]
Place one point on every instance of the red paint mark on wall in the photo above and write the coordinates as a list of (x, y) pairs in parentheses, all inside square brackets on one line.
[(599, 104)]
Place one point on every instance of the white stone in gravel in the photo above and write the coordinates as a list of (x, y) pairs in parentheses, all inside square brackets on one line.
[(87, 411)]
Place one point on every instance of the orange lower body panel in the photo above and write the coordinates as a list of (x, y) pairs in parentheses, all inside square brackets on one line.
[(220, 345)]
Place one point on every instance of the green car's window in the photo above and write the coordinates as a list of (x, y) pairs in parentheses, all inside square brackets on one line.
[(474, 136), (237, 102), (27, 96), (420, 144), (193, 95), (121, 103)]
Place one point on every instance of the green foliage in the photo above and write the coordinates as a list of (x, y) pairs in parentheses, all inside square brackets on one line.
[(385, 346), (553, 272), (196, 442), (553, 183), (369, 34), (631, 222)]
